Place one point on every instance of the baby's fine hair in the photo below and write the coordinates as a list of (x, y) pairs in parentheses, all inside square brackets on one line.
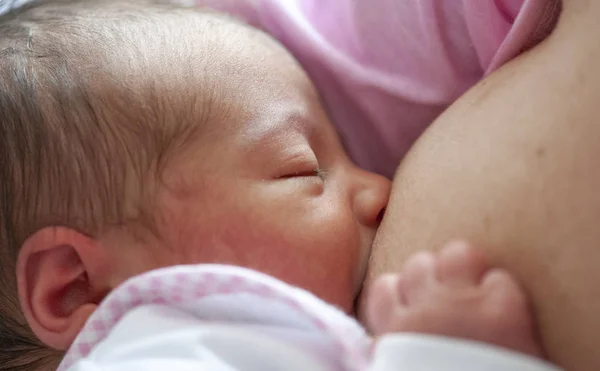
[(88, 118)]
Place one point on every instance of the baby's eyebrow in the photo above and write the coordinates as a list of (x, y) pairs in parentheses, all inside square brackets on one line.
[(280, 124)]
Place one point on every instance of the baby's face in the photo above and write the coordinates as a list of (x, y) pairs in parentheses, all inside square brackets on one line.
[(268, 185)]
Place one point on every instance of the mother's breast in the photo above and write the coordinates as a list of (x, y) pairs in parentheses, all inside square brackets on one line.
[(513, 166)]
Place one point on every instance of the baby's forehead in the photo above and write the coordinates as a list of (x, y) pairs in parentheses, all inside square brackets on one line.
[(174, 68), (176, 54), (208, 51)]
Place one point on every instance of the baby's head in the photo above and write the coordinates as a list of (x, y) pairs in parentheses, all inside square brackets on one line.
[(136, 136)]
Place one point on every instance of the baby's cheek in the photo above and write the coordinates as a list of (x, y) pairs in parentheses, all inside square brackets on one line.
[(342, 271), (214, 239), (324, 266)]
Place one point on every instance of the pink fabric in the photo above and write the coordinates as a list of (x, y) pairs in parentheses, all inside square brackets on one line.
[(387, 68), (185, 285)]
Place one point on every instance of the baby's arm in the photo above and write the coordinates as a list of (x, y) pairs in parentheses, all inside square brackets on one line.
[(446, 310)]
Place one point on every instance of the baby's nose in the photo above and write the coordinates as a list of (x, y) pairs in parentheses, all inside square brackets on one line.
[(371, 197)]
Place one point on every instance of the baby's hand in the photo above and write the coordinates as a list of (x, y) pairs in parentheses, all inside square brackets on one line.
[(453, 293)]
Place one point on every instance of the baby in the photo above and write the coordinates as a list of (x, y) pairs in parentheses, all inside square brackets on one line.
[(153, 159)]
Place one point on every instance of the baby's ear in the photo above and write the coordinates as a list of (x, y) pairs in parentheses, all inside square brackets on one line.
[(61, 277)]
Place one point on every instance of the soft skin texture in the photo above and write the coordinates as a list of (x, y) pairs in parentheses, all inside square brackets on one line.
[(513, 166), (453, 293), (265, 184)]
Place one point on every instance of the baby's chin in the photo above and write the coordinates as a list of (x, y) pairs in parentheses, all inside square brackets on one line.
[(362, 286), (359, 285), (358, 310), (345, 299), (362, 268)]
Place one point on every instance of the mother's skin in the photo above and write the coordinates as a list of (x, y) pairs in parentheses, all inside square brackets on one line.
[(514, 165)]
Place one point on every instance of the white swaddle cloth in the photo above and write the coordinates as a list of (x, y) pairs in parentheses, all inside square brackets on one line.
[(225, 318)]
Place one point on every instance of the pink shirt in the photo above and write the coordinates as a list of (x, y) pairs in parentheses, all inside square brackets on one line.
[(387, 68)]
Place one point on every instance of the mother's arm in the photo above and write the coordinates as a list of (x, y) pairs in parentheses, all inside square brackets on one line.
[(515, 165)]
